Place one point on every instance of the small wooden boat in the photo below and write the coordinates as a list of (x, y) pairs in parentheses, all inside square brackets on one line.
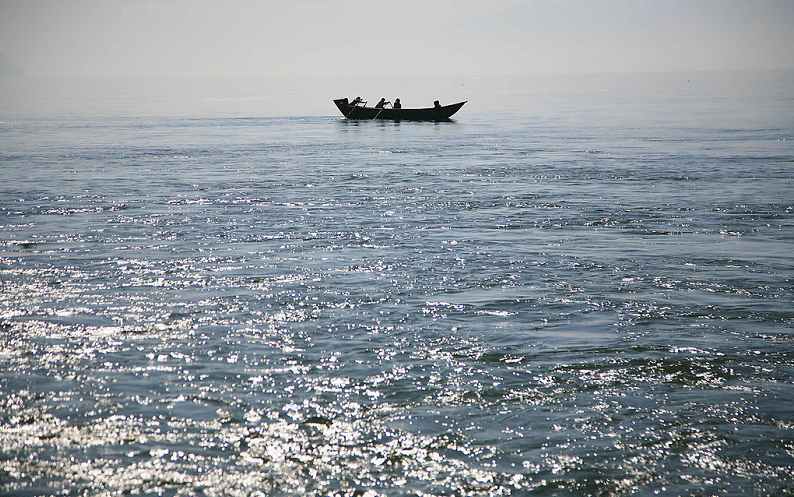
[(438, 113)]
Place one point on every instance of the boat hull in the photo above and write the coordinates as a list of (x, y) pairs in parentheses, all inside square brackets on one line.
[(442, 113)]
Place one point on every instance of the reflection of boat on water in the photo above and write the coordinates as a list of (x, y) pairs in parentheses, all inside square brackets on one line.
[(438, 113)]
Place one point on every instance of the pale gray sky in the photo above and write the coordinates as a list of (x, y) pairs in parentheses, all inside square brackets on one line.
[(385, 37)]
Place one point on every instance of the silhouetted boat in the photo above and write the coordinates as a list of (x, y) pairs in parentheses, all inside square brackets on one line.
[(440, 113)]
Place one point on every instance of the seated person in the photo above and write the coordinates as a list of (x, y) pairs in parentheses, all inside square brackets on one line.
[(380, 104), (436, 104), (356, 101), (397, 104)]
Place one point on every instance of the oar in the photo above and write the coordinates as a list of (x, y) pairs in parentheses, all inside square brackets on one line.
[(381, 110), (351, 112)]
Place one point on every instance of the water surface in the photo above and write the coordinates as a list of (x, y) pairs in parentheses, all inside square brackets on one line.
[(580, 286)]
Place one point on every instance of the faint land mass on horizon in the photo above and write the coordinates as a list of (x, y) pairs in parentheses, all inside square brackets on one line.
[(8, 68)]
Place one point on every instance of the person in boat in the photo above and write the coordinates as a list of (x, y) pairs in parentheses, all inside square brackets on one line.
[(436, 104), (397, 104), (381, 104), (356, 101)]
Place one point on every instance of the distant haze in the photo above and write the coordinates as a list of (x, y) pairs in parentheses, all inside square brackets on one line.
[(392, 38)]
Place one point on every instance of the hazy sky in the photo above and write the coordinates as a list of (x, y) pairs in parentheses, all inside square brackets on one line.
[(405, 37)]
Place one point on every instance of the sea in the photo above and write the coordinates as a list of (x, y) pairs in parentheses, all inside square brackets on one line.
[(582, 285)]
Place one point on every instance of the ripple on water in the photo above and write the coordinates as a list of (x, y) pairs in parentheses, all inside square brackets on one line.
[(316, 307)]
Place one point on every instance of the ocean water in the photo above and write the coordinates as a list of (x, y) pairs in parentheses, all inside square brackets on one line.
[(580, 286)]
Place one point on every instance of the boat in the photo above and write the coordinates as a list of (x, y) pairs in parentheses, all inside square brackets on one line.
[(437, 113)]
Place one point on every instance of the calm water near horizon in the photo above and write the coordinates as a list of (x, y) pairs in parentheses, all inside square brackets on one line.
[(580, 286)]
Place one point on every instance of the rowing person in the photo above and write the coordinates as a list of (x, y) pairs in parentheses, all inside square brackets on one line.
[(356, 101), (381, 104)]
